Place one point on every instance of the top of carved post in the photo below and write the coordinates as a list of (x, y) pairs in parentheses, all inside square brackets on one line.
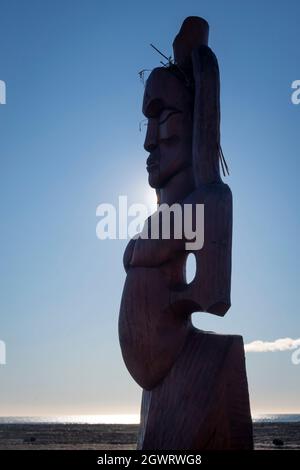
[(193, 34), (199, 63)]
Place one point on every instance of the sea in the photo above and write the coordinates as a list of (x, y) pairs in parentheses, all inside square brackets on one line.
[(127, 419)]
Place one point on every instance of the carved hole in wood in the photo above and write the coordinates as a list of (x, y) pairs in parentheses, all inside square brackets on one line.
[(191, 268)]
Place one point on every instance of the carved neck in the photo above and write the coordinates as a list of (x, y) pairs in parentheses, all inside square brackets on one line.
[(178, 187)]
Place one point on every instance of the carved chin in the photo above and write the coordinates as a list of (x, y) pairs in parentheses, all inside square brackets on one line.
[(154, 179), (157, 179)]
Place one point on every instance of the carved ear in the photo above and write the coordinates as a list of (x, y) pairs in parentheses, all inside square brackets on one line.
[(206, 127)]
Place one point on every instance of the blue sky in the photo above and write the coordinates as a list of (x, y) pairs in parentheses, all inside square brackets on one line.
[(70, 140)]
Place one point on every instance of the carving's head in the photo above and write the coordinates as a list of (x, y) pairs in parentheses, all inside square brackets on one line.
[(168, 105), (174, 97)]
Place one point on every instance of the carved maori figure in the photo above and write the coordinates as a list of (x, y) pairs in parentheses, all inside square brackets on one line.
[(195, 392)]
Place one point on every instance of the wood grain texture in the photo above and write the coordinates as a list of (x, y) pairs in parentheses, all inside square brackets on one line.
[(203, 402), (156, 307)]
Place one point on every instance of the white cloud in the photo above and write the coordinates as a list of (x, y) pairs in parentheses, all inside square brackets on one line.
[(282, 344)]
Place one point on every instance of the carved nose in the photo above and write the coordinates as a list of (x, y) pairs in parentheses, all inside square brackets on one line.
[(151, 139)]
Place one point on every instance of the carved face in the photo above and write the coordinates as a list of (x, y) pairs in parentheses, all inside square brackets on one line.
[(168, 107)]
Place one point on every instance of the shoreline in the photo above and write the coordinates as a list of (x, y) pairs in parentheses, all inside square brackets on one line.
[(58, 436)]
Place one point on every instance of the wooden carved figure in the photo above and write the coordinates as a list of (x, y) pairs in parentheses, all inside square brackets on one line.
[(195, 392)]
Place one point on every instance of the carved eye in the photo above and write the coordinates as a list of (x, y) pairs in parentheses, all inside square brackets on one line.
[(169, 125), (166, 114)]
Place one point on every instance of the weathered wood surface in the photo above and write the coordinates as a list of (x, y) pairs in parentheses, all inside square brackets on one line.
[(156, 304), (202, 403)]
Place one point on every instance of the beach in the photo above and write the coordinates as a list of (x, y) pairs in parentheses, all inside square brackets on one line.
[(59, 436)]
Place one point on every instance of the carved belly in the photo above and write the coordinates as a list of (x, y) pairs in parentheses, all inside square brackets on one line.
[(151, 332)]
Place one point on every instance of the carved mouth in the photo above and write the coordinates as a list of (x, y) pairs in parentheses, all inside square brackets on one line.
[(152, 164), (152, 167)]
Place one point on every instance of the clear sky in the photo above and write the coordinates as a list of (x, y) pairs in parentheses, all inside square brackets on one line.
[(70, 140)]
